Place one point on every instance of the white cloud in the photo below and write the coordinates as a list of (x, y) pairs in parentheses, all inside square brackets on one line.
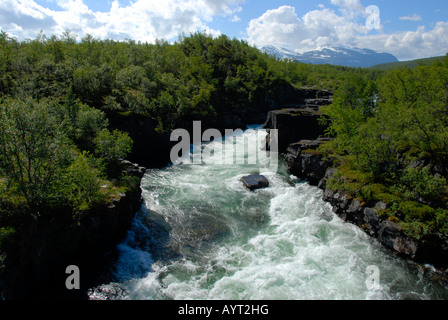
[(275, 26), (354, 5), (24, 17), (409, 45), (235, 18), (143, 20), (318, 28), (325, 27), (223, 7), (414, 17)]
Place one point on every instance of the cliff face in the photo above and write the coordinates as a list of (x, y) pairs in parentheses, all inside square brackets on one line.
[(305, 162), (297, 121), (35, 266), (150, 149), (293, 123)]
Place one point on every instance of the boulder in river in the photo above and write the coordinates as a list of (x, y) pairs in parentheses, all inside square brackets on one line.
[(255, 181)]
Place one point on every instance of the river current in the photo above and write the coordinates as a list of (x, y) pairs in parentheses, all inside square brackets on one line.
[(202, 235)]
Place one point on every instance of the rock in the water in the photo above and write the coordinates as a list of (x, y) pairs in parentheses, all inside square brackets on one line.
[(255, 181)]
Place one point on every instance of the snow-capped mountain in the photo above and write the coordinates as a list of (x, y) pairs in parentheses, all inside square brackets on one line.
[(350, 57)]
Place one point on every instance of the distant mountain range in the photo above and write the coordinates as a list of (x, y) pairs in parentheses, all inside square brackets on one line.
[(350, 57)]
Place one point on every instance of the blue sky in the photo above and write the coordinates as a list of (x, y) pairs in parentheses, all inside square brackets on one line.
[(430, 11), (409, 29)]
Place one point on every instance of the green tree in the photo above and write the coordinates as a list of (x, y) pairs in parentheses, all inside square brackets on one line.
[(33, 147), (86, 84), (372, 151), (420, 184), (89, 122), (6, 54), (112, 147), (414, 110), (79, 184)]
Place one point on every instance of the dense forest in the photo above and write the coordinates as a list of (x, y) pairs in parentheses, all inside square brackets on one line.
[(57, 95), (410, 64)]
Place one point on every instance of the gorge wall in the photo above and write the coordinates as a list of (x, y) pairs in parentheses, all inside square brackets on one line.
[(34, 267), (36, 261)]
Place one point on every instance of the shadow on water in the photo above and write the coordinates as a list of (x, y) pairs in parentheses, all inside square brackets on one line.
[(147, 242), (154, 240)]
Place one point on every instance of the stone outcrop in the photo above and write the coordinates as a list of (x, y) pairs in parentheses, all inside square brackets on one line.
[(387, 232), (427, 250), (293, 123), (305, 162), (150, 148), (290, 97)]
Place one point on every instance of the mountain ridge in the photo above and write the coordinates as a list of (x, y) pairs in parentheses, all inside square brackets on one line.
[(342, 56)]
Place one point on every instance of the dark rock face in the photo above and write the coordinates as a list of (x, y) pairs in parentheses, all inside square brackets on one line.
[(35, 266), (150, 149), (429, 250), (305, 162), (358, 213), (293, 123), (290, 97), (254, 182), (299, 119), (311, 167)]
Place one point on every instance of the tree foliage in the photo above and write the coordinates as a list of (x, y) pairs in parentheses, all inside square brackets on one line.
[(199, 77), (395, 129), (112, 146), (32, 148)]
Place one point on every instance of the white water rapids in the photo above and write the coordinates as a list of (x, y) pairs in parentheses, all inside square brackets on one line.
[(203, 235)]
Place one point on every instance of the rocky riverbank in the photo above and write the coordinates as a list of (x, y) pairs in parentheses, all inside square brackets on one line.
[(306, 162), (35, 266)]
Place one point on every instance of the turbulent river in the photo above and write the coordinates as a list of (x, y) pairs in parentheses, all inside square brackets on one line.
[(202, 235)]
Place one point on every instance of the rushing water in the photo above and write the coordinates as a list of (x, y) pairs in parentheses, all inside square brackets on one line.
[(202, 235)]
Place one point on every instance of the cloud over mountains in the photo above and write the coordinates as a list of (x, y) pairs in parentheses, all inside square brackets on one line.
[(346, 27)]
